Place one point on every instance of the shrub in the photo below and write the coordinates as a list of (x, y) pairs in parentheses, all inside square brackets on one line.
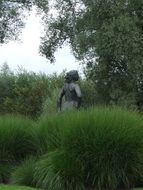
[(23, 174), (17, 138), (99, 148)]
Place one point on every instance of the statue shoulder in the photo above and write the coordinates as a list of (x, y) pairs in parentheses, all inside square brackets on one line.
[(75, 85)]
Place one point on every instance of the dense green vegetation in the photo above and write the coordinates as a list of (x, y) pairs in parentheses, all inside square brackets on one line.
[(27, 93), (99, 147), (31, 94), (106, 36)]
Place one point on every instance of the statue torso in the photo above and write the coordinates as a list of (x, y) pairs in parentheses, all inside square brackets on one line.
[(70, 91)]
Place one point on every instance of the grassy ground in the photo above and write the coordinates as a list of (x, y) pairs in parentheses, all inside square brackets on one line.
[(13, 187)]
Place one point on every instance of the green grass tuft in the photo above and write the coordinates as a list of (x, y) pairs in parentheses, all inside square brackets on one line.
[(49, 132), (17, 138), (23, 174), (104, 144), (99, 148), (58, 170)]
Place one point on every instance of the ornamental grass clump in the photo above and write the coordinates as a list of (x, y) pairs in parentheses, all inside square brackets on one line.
[(17, 139), (99, 148), (24, 172), (48, 132), (58, 170)]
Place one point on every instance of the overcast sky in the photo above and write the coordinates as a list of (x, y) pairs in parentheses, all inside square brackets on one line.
[(26, 53)]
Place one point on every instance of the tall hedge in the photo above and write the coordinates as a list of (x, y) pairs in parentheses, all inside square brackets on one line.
[(26, 92)]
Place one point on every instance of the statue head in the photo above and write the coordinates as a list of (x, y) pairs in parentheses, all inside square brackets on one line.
[(72, 76)]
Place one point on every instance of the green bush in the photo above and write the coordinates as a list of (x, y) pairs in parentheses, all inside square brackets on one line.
[(99, 148), (17, 138), (23, 174)]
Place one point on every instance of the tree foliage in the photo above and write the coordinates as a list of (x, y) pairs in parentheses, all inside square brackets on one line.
[(107, 35), (12, 15)]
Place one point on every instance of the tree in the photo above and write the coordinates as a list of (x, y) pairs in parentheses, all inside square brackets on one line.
[(107, 35), (12, 14)]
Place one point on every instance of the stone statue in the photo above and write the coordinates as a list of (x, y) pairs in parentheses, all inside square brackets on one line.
[(71, 91)]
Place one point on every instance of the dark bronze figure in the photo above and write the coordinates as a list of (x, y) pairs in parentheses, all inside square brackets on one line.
[(71, 91)]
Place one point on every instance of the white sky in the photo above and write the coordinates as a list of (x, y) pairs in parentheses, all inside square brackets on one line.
[(26, 53)]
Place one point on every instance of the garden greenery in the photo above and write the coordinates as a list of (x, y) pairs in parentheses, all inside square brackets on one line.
[(17, 138), (99, 148), (25, 92), (33, 95), (24, 173)]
